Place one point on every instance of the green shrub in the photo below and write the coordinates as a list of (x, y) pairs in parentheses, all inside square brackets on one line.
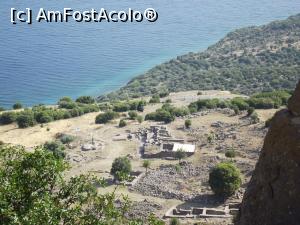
[(105, 106), (65, 99), (262, 103), (67, 105), (8, 118), (85, 100), (121, 107), (132, 115), (2, 109), (146, 164), (89, 108), (122, 123), (224, 104), (180, 154), (17, 105), (174, 221), (230, 153), (76, 112), (121, 167), (163, 94), (177, 167), (250, 111), (212, 103), (225, 179), (180, 112), (66, 139), (168, 101), (193, 108), (133, 105), (140, 119), (161, 115), (254, 118), (211, 137), (26, 119), (58, 114), (155, 99), (43, 116), (240, 103), (187, 123), (57, 148), (67, 114), (204, 104), (141, 106), (106, 117), (236, 110)]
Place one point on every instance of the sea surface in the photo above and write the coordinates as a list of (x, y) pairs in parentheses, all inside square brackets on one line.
[(41, 62)]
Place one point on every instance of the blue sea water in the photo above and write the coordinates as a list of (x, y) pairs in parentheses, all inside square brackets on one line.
[(41, 62)]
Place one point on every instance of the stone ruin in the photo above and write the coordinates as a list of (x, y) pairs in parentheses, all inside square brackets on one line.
[(154, 141), (229, 210), (92, 145), (154, 135)]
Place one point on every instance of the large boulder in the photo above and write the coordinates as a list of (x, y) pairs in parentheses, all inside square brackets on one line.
[(294, 103), (273, 194)]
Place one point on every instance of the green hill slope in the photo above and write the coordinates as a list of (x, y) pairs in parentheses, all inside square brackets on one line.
[(247, 61)]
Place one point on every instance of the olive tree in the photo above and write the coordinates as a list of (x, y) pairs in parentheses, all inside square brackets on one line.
[(33, 191), (225, 179), (121, 168)]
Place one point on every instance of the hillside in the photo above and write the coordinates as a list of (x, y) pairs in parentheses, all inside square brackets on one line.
[(247, 61)]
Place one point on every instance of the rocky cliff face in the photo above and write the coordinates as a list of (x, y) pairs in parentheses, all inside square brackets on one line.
[(273, 194)]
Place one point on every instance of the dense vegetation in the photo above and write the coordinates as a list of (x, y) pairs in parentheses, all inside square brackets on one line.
[(225, 179), (247, 61), (33, 191), (106, 117), (167, 113), (266, 100), (67, 108)]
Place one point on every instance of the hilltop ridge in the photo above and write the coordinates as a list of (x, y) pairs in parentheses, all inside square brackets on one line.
[(247, 61)]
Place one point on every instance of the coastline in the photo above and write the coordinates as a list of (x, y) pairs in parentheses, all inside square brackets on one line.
[(106, 69)]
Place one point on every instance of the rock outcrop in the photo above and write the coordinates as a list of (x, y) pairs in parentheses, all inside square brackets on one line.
[(273, 194)]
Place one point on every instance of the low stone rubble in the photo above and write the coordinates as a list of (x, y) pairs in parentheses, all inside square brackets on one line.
[(171, 182), (142, 209)]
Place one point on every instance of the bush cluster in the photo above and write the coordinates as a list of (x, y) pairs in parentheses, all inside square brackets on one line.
[(266, 100), (57, 148), (8, 118), (106, 117), (167, 113), (85, 100), (26, 119), (65, 138), (125, 106), (154, 99)]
